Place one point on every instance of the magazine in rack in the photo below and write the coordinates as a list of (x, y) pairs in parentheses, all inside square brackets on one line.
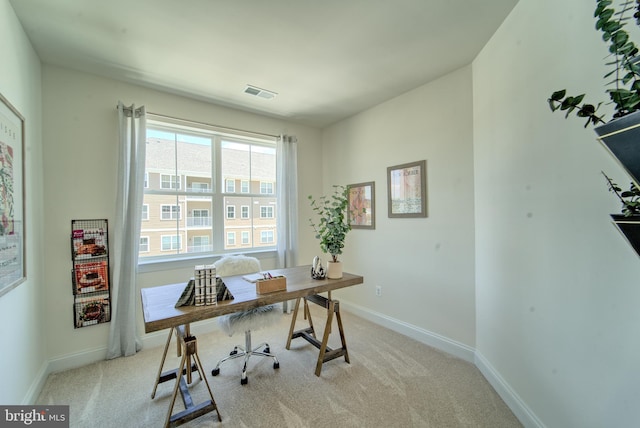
[(90, 274)]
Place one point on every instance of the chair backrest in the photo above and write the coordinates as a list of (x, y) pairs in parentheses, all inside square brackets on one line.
[(237, 265)]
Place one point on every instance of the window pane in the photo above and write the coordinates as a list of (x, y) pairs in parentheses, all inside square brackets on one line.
[(187, 209)]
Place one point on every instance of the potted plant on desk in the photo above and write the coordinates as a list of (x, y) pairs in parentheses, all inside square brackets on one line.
[(332, 226), (621, 135)]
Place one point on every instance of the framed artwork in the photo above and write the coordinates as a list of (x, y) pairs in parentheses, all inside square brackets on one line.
[(12, 228), (407, 189), (362, 205)]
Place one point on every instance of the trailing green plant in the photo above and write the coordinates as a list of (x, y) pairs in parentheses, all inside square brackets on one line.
[(332, 224), (624, 86), (630, 199)]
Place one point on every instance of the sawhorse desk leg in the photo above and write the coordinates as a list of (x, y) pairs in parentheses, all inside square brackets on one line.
[(188, 348), (308, 334)]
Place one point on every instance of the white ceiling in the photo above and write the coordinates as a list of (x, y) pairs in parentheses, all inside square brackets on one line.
[(326, 59)]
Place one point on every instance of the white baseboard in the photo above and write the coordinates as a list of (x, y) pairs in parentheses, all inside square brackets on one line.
[(430, 338), (519, 408), (36, 386)]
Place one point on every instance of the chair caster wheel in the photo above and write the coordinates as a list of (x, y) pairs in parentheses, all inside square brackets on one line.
[(244, 381), (215, 372), (276, 365), (267, 350)]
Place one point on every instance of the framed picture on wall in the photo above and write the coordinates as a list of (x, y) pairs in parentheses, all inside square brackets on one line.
[(407, 189), (362, 202), (12, 227)]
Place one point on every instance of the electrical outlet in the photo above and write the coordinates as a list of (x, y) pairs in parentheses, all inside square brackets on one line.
[(378, 290)]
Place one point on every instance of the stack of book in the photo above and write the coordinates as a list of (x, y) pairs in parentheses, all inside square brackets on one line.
[(205, 285)]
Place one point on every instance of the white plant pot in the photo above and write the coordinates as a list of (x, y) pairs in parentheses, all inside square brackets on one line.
[(334, 270)]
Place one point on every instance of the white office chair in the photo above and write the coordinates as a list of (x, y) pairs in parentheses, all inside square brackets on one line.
[(246, 321)]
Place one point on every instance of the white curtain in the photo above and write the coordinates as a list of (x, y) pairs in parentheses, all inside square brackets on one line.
[(287, 189), (123, 338)]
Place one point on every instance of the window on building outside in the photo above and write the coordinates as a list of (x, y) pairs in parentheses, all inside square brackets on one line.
[(198, 180), (144, 244), (266, 188)]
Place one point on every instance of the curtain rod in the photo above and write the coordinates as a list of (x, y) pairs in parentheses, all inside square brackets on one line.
[(217, 127), (193, 122)]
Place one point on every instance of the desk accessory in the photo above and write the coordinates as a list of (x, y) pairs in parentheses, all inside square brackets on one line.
[(317, 270), (271, 284)]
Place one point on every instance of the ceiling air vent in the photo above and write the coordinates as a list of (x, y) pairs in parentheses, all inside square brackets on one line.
[(259, 92)]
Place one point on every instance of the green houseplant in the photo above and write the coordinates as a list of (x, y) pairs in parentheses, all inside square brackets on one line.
[(628, 223), (623, 80), (620, 135), (331, 225)]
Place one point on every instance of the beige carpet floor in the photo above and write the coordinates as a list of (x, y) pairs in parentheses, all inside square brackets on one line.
[(392, 381)]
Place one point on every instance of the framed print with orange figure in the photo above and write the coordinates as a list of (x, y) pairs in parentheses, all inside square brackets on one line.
[(362, 201)]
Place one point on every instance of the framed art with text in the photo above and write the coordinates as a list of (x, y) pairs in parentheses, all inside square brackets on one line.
[(407, 189), (12, 228), (362, 202)]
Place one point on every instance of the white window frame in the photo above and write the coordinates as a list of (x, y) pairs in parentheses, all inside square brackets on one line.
[(270, 209), (230, 185), (172, 213), (231, 238), (220, 138), (245, 211), (148, 242), (173, 182), (173, 248), (266, 236), (266, 187)]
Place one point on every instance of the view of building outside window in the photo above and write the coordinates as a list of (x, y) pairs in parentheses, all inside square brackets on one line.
[(190, 206)]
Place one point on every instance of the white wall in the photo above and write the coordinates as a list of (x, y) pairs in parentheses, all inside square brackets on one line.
[(557, 286), (23, 350), (80, 138), (424, 265)]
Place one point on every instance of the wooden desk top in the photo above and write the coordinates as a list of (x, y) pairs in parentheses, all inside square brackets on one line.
[(158, 302)]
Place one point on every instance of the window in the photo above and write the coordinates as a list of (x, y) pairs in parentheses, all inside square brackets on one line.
[(169, 181), (145, 212), (266, 188), (266, 212), (266, 236), (199, 217), (198, 176), (146, 180), (231, 186), (199, 187), (170, 242), (231, 211), (200, 243), (170, 212), (144, 244)]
